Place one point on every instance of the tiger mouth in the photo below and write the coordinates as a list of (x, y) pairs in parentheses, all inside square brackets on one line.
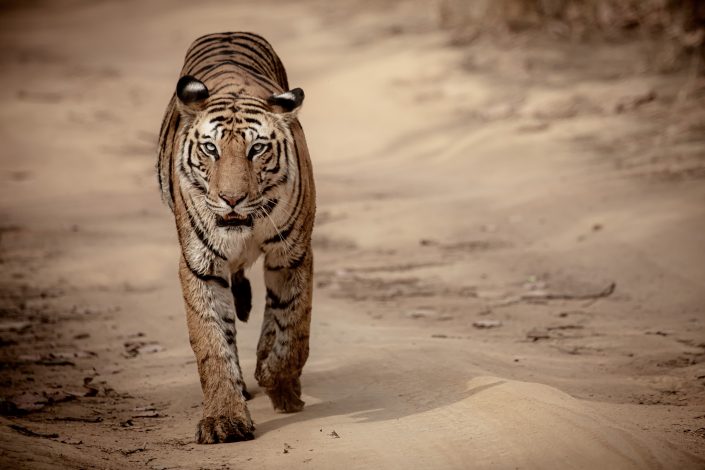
[(233, 220)]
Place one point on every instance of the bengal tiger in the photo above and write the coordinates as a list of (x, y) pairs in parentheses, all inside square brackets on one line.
[(235, 170)]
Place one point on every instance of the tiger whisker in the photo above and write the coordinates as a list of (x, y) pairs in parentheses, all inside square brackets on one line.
[(285, 243), (284, 205), (287, 247)]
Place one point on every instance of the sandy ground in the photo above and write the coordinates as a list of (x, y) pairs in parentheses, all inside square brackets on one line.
[(510, 260)]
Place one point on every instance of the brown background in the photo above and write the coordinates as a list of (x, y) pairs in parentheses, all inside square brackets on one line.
[(481, 186)]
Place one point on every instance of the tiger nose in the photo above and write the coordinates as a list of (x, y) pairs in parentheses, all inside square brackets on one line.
[(232, 199)]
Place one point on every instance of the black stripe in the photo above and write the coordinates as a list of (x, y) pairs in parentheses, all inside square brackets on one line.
[(192, 179), (264, 82), (167, 150), (189, 175), (291, 221), (197, 55), (299, 261), (206, 277), (246, 41), (278, 323), (222, 53), (229, 336), (280, 236), (205, 42), (201, 235), (249, 101), (270, 205), (273, 301), (204, 359), (295, 264), (189, 151), (257, 39), (278, 158), (269, 333), (208, 38), (219, 101), (205, 318), (215, 73), (256, 74), (281, 72), (298, 206), (171, 163), (189, 304), (281, 180), (264, 61), (255, 64), (251, 111)]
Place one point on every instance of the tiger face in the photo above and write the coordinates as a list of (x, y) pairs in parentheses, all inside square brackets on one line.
[(236, 150)]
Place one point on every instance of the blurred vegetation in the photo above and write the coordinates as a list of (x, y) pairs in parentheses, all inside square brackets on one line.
[(675, 27)]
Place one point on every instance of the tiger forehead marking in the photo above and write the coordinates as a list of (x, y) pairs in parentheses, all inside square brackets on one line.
[(246, 122), (234, 169)]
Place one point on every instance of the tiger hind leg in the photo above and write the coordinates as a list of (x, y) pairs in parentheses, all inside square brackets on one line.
[(284, 342)]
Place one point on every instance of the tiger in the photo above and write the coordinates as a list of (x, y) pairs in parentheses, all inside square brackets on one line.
[(234, 168)]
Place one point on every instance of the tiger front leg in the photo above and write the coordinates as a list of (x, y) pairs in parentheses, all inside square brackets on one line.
[(211, 331), (283, 345)]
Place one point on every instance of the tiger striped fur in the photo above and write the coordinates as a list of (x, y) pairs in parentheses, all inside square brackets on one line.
[(234, 168)]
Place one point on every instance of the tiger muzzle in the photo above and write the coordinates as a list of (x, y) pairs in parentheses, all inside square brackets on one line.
[(234, 219)]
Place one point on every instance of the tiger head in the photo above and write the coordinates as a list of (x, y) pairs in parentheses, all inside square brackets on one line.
[(237, 149)]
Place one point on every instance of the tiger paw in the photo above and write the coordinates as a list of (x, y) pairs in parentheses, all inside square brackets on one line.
[(215, 429), (286, 397)]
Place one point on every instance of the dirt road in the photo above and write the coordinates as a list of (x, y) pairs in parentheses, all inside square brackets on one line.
[(510, 263)]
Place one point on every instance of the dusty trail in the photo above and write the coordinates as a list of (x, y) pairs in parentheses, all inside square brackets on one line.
[(449, 197)]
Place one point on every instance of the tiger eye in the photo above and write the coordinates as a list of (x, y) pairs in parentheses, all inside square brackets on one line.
[(210, 147), (256, 149)]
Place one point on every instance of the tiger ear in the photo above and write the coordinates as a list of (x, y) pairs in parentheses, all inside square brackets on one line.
[(192, 93), (288, 103)]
